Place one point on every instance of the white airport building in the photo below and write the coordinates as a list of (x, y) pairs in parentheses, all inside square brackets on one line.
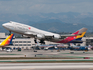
[(19, 42), (87, 41), (27, 43)]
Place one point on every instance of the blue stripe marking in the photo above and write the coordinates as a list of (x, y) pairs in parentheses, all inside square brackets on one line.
[(76, 41), (11, 40)]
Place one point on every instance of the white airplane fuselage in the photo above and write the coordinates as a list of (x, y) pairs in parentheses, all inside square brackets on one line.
[(28, 30)]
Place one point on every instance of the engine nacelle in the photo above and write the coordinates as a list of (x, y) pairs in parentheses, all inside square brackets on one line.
[(40, 36), (56, 36), (24, 36)]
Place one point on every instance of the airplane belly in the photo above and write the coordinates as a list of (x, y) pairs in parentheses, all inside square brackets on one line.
[(54, 40)]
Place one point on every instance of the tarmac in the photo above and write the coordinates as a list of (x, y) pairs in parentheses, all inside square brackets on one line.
[(48, 54), (46, 66), (46, 60)]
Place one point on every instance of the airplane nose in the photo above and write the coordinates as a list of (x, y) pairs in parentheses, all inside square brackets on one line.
[(4, 25)]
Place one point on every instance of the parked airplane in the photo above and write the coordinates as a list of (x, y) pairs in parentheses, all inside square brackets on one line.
[(46, 47), (74, 47), (7, 41), (44, 35)]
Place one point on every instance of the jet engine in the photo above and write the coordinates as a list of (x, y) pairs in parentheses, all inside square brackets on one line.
[(40, 36), (56, 36)]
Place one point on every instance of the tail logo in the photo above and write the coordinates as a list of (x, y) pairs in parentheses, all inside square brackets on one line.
[(8, 39), (29, 28)]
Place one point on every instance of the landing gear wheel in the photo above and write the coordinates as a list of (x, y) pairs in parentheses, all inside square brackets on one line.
[(42, 42), (35, 40)]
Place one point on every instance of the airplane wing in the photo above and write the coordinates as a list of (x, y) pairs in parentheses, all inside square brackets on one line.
[(48, 36), (80, 32), (68, 35), (61, 36)]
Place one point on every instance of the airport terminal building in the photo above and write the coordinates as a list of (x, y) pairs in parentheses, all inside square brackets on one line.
[(25, 43), (87, 41)]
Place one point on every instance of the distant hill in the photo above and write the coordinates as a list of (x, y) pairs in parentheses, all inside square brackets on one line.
[(61, 27), (55, 22), (55, 26)]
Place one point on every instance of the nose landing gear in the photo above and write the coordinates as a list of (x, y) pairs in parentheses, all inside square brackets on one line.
[(9, 32), (41, 41)]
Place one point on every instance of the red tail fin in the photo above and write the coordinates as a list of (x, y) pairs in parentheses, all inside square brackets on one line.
[(80, 31)]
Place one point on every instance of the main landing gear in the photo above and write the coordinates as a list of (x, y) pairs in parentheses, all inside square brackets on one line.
[(41, 41), (35, 40)]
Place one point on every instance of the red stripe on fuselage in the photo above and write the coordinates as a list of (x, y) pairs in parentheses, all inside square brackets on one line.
[(68, 39)]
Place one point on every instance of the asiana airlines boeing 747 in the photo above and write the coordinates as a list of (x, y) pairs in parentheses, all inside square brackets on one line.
[(44, 35)]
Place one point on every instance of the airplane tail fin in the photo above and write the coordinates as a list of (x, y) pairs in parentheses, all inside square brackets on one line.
[(80, 33), (8, 40), (75, 37)]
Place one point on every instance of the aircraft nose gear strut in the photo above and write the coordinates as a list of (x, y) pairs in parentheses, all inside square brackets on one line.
[(9, 32)]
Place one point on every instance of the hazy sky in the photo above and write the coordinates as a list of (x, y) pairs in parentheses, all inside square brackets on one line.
[(45, 6)]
